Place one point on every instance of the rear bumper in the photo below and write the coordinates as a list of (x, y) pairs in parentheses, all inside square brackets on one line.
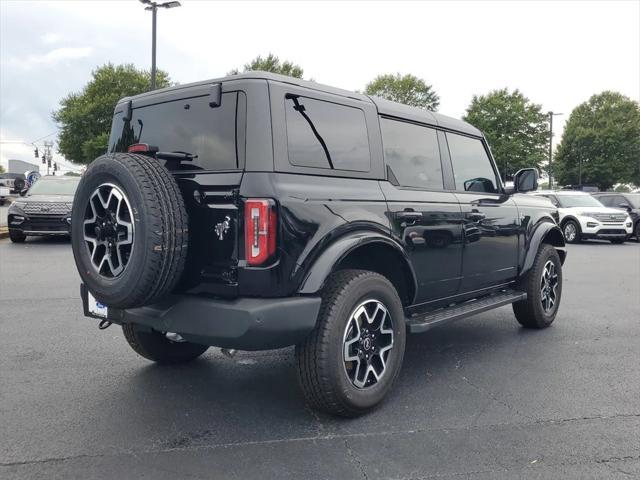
[(242, 323)]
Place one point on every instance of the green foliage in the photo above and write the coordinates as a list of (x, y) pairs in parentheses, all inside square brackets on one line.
[(85, 117), (2, 170), (515, 127), (407, 89), (72, 174), (601, 143), (272, 64)]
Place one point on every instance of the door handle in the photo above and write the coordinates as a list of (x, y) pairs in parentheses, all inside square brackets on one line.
[(409, 214)]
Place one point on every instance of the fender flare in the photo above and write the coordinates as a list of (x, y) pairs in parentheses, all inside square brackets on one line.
[(542, 231), (322, 267)]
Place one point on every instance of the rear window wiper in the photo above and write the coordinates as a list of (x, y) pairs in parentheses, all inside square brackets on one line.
[(178, 156)]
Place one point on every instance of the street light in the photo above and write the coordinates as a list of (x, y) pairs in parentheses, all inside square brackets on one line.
[(153, 7), (551, 114)]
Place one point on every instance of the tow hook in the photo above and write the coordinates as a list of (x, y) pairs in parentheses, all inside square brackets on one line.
[(229, 352), (104, 324)]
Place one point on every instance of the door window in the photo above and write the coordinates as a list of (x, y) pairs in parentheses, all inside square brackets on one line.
[(472, 168), (413, 154)]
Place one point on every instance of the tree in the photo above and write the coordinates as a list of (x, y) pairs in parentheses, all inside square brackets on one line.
[(272, 64), (515, 127), (85, 117), (407, 89), (601, 143), (1, 169)]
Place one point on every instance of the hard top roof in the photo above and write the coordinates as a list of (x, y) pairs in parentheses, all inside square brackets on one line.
[(385, 107), (560, 192)]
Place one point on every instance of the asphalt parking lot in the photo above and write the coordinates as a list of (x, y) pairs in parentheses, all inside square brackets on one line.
[(481, 398)]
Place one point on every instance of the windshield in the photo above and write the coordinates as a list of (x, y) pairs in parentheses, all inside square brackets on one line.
[(570, 201), (54, 187), (634, 199)]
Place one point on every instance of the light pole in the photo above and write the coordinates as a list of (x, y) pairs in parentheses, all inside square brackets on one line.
[(551, 114), (153, 7)]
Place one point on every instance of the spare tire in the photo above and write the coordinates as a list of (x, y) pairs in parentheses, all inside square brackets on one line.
[(129, 230)]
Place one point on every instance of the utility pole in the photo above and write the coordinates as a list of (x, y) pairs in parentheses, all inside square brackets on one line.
[(153, 7), (551, 114), (47, 154)]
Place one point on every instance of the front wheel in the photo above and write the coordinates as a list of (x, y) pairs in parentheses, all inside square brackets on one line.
[(349, 361), (156, 346), (571, 231), (543, 285)]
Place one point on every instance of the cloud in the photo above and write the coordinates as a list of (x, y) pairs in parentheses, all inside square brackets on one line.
[(51, 38), (52, 57)]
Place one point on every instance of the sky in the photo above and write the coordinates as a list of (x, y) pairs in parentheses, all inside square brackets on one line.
[(557, 53)]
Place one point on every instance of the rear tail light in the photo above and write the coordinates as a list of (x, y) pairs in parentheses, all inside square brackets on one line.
[(260, 223)]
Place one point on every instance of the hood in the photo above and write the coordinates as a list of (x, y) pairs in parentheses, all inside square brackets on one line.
[(46, 198), (579, 210)]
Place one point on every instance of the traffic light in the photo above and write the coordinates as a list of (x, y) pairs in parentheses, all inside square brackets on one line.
[(44, 160), (55, 167), (48, 162), (35, 152)]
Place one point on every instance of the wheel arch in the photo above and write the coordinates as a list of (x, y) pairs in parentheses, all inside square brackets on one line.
[(368, 251), (546, 232)]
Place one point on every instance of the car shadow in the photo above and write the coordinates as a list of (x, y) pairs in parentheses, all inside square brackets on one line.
[(255, 395)]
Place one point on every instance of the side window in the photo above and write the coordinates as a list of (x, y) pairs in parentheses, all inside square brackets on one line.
[(326, 135), (619, 200), (413, 154), (472, 168), (606, 200)]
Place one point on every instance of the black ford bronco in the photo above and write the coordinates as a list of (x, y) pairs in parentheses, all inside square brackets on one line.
[(259, 211)]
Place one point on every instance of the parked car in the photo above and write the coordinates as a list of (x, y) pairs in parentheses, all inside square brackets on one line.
[(4, 194), (260, 211), (44, 209), (583, 217), (625, 201), (14, 181)]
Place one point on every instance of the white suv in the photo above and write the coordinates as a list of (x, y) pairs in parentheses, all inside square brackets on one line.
[(583, 217)]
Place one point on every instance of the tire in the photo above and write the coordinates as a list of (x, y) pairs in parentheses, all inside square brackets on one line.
[(17, 236), (531, 313), (323, 373), (571, 231), (152, 218), (637, 231), (617, 241), (156, 347)]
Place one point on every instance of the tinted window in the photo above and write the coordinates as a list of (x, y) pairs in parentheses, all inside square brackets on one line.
[(413, 154), (326, 135), (606, 200), (472, 169), (215, 135)]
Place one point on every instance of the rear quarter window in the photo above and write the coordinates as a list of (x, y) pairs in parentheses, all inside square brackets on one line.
[(215, 135), (326, 135)]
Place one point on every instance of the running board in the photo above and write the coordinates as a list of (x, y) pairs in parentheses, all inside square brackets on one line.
[(423, 322)]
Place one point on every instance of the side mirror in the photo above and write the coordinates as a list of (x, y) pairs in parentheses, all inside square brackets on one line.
[(625, 206), (23, 192), (525, 180)]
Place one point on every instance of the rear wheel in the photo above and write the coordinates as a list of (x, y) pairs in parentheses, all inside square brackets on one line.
[(159, 347), (571, 231), (350, 360), (543, 285), (17, 236)]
